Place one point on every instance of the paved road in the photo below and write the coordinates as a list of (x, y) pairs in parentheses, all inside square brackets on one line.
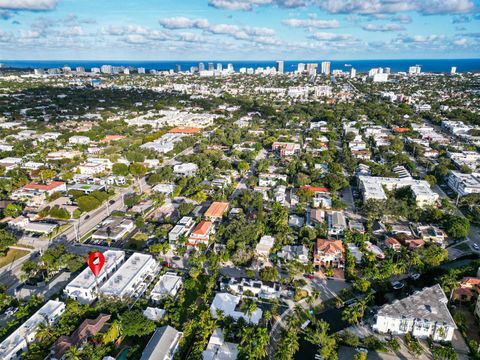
[(241, 185)]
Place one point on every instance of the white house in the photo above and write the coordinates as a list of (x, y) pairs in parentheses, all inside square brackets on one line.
[(256, 287), (423, 314), (294, 252), (183, 227), (228, 305), (79, 140), (264, 246), (219, 349), (168, 285), (270, 179), (186, 169)]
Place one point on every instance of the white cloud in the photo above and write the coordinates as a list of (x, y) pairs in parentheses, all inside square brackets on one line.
[(259, 31), (190, 37), (383, 27), (312, 23), (135, 39), (326, 36), (183, 23), (74, 31), (33, 5), (402, 18), (238, 4), (426, 7), (249, 33), (29, 34), (461, 42)]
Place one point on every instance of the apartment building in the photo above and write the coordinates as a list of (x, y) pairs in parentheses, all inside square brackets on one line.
[(423, 314), (130, 279), (84, 288)]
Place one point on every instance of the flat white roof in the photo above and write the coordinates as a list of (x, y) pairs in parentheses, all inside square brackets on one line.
[(26, 331), (166, 284), (86, 279), (125, 277), (228, 304)]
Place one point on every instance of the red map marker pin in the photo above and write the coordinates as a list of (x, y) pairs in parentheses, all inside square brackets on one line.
[(96, 260)]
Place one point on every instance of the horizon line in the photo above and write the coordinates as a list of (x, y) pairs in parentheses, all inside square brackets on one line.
[(244, 60)]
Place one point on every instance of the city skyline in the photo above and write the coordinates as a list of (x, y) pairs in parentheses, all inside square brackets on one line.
[(234, 29)]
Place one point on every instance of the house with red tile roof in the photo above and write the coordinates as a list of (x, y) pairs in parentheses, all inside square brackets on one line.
[(109, 138), (88, 329), (413, 244), (36, 192), (184, 130), (201, 233), (393, 244), (216, 210), (468, 289), (329, 253), (48, 188)]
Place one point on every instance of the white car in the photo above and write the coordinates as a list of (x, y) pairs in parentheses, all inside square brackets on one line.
[(475, 246), (10, 311)]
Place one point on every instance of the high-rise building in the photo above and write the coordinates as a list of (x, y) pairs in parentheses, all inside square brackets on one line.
[(210, 66), (178, 68), (141, 70), (301, 67), (80, 69), (414, 70), (201, 66), (230, 68), (312, 68), (219, 67), (280, 66), (387, 70), (374, 71), (453, 70), (106, 69), (353, 73), (326, 67)]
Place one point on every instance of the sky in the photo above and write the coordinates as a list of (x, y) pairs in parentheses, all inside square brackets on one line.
[(238, 29)]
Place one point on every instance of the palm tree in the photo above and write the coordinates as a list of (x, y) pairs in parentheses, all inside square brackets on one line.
[(43, 331), (73, 353), (249, 307)]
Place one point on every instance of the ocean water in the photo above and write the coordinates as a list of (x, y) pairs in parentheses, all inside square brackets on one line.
[(428, 65)]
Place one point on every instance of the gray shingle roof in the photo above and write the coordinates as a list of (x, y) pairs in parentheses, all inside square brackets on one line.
[(428, 304)]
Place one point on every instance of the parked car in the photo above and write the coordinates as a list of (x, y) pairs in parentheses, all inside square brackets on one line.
[(475, 246), (361, 350), (415, 276), (397, 285), (10, 311)]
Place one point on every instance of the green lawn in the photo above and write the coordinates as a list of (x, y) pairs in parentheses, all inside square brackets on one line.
[(12, 255)]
